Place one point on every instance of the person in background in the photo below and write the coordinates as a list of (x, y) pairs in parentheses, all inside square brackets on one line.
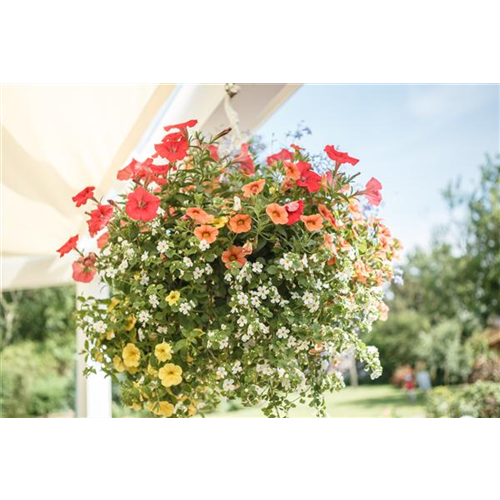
[(423, 377), (409, 387)]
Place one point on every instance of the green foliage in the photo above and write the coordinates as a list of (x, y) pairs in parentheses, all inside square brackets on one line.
[(451, 291), (481, 399), (38, 352), (34, 381)]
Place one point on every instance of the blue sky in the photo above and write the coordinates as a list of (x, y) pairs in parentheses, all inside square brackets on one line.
[(413, 138)]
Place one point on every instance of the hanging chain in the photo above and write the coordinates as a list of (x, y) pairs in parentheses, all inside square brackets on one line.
[(232, 89)]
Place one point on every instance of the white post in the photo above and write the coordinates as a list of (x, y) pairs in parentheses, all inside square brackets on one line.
[(93, 419)]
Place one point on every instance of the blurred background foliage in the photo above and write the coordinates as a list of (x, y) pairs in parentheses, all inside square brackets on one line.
[(37, 352)]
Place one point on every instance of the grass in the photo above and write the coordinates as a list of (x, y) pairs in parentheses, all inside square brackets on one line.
[(368, 401)]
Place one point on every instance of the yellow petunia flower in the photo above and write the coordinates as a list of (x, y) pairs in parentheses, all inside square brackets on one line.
[(170, 375), (131, 356), (163, 351), (130, 323), (136, 406), (112, 305), (132, 370), (110, 334), (162, 409), (118, 364), (172, 298), (220, 222), (152, 371)]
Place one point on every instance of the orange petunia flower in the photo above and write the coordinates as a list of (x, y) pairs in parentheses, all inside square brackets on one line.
[(253, 188), (240, 223), (234, 254), (362, 270), (312, 222), (292, 171), (277, 213), (327, 214), (199, 215), (207, 233)]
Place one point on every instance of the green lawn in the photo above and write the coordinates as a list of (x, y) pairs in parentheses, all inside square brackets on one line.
[(365, 401)]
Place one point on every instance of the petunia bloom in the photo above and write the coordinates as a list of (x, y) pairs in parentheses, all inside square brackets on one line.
[(244, 160), (131, 355), (294, 209), (283, 155), (297, 148), (181, 126), (253, 188), (327, 214), (339, 157), (240, 223), (312, 222), (372, 192), (142, 205), (199, 215), (277, 213), (214, 151), (99, 218), (207, 233), (84, 268), (173, 147), (170, 375), (68, 246), (235, 255), (83, 196), (292, 171), (102, 241), (308, 179)]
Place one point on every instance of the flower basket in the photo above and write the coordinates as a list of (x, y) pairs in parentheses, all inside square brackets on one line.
[(231, 279)]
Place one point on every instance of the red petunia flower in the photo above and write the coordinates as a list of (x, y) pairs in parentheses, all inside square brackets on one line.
[(102, 241), (283, 155), (245, 160), (339, 157), (214, 152), (173, 147), (297, 148), (181, 126), (68, 246), (130, 171), (294, 209), (308, 179), (99, 218), (142, 205), (84, 269), (83, 196), (372, 192)]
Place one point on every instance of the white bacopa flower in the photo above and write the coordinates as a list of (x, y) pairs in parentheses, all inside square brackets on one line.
[(129, 253), (140, 334), (100, 326), (107, 250), (286, 263), (89, 320), (153, 300), (236, 367), (237, 204), (144, 279), (223, 343), (144, 256), (187, 262), (291, 342), (197, 273), (262, 291), (208, 270), (162, 246), (228, 385), (221, 372), (257, 267), (111, 273), (162, 330), (282, 333), (242, 321), (223, 327), (304, 261), (255, 301), (143, 317), (123, 266), (184, 308), (204, 245), (242, 299)]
